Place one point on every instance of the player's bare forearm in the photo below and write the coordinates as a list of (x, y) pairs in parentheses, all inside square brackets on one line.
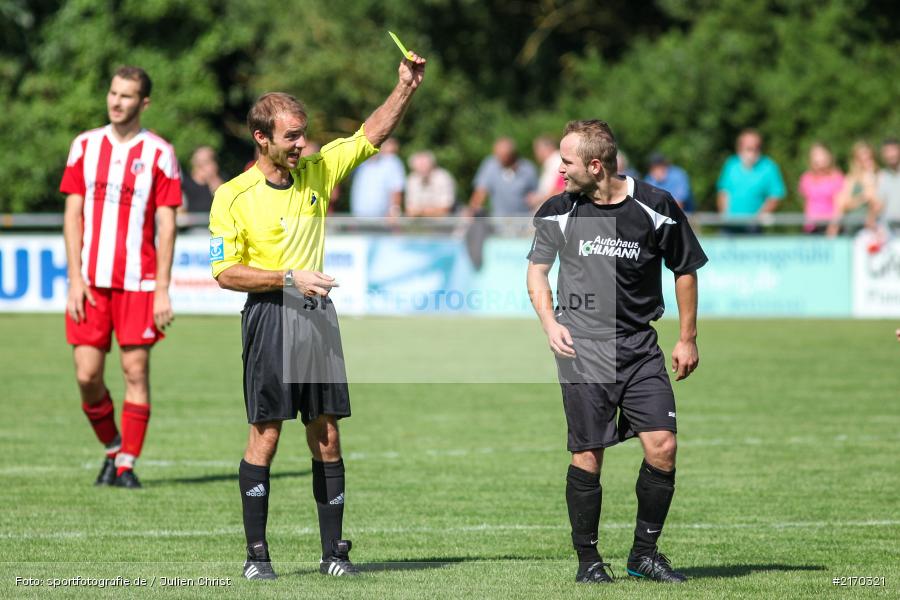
[(540, 294), (165, 245), (686, 295), (381, 123), (685, 356), (558, 336), (73, 233), (242, 278)]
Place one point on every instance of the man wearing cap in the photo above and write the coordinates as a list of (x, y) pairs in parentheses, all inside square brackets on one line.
[(673, 179)]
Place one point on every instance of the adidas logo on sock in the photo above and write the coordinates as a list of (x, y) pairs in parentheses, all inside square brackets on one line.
[(338, 500), (256, 491)]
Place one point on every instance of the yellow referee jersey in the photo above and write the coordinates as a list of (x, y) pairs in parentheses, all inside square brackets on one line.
[(254, 223)]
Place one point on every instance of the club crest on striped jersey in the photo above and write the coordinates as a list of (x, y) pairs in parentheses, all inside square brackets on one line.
[(314, 199), (216, 249), (137, 167)]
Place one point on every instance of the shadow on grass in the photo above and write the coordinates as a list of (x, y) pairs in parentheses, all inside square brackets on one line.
[(219, 477), (413, 564), (419, 564), (743, 570)]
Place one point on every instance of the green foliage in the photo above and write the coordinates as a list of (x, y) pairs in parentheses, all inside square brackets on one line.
[(797, 70), (679, 75)]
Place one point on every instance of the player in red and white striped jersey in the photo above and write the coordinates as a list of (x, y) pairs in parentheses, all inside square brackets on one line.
[(123, 187)]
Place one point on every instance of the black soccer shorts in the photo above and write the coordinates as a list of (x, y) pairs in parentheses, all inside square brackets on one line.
[(637, 390), (293, 358)]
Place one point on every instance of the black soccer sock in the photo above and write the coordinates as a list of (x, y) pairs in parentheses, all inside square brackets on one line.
[(328, 490), (654, 490), (254, 482), (583, 497)]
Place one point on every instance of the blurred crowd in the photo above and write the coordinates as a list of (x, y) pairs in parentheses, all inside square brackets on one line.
[(750, 184)]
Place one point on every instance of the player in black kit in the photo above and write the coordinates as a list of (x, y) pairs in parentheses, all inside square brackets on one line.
[(612, 234)]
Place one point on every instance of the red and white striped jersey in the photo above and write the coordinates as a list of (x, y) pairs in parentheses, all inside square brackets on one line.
[(122, 185)]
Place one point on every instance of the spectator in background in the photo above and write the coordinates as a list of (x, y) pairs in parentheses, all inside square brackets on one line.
[(673, 179), (550, 183), (430, 190), (624, 166), (377, 187), (506, 179), (859, 194), (889, 181), (819, 187), (750, 183), (198, 188)]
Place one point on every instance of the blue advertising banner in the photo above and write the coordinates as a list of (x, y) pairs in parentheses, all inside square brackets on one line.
[(393, 275), (772, 277)]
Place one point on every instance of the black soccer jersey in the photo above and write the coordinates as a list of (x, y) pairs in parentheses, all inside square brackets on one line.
[(610, 274)]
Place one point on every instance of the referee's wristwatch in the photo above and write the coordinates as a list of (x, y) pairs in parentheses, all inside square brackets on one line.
[(289, 278)]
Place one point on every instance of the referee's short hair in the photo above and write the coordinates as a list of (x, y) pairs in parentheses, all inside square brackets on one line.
[(136, 74), (267, 107), (596, 142)]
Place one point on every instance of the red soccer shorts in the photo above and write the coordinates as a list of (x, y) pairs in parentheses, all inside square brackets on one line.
[(130, 314)]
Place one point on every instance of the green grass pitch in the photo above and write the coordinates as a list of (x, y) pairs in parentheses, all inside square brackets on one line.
[(787, 468)]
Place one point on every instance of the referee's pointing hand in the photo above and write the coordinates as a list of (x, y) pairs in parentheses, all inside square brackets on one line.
[(314, 283)]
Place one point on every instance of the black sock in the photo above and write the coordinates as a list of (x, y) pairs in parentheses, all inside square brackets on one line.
[(583, 497), (254, 481), (328, 490), (654, 490)]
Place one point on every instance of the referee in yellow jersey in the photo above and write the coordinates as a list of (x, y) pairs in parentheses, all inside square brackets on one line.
[(267, 236)]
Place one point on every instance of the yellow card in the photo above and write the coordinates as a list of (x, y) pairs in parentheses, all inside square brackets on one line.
[(406, 53)]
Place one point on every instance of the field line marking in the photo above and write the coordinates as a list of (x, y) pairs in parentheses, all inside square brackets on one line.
[(482, 527)]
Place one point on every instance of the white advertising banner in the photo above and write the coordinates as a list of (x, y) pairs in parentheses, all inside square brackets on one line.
[(876, 276)]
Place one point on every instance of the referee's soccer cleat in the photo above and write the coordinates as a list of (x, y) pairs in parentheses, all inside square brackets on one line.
[(107, 474), (338, 563), (128, 480), (594, 572), (655, 567), (258, 564)]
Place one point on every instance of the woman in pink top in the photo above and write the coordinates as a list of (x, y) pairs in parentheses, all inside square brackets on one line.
[(819, 187)]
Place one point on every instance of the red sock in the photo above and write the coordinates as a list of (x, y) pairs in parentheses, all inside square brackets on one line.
[(103, 419), (134, 427)]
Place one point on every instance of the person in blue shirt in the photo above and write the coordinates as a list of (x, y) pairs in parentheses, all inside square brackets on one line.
[(671, 178), (378, 184), (750, 183)]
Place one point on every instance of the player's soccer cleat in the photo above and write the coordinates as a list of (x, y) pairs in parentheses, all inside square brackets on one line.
[(594, 572), (258, 564), (128, 480), (655, 567), (338, 563), (107, 474)]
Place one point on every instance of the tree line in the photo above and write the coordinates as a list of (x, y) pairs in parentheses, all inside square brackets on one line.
[(680, 76)]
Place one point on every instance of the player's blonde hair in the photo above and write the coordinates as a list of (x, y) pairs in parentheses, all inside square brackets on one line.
[(596, 141), (268, 106)]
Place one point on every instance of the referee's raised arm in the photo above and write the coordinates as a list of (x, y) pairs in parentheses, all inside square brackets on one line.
[(381, 123)]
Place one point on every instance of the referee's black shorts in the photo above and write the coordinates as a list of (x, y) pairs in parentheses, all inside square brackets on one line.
[(293, 358), (641, 395)]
